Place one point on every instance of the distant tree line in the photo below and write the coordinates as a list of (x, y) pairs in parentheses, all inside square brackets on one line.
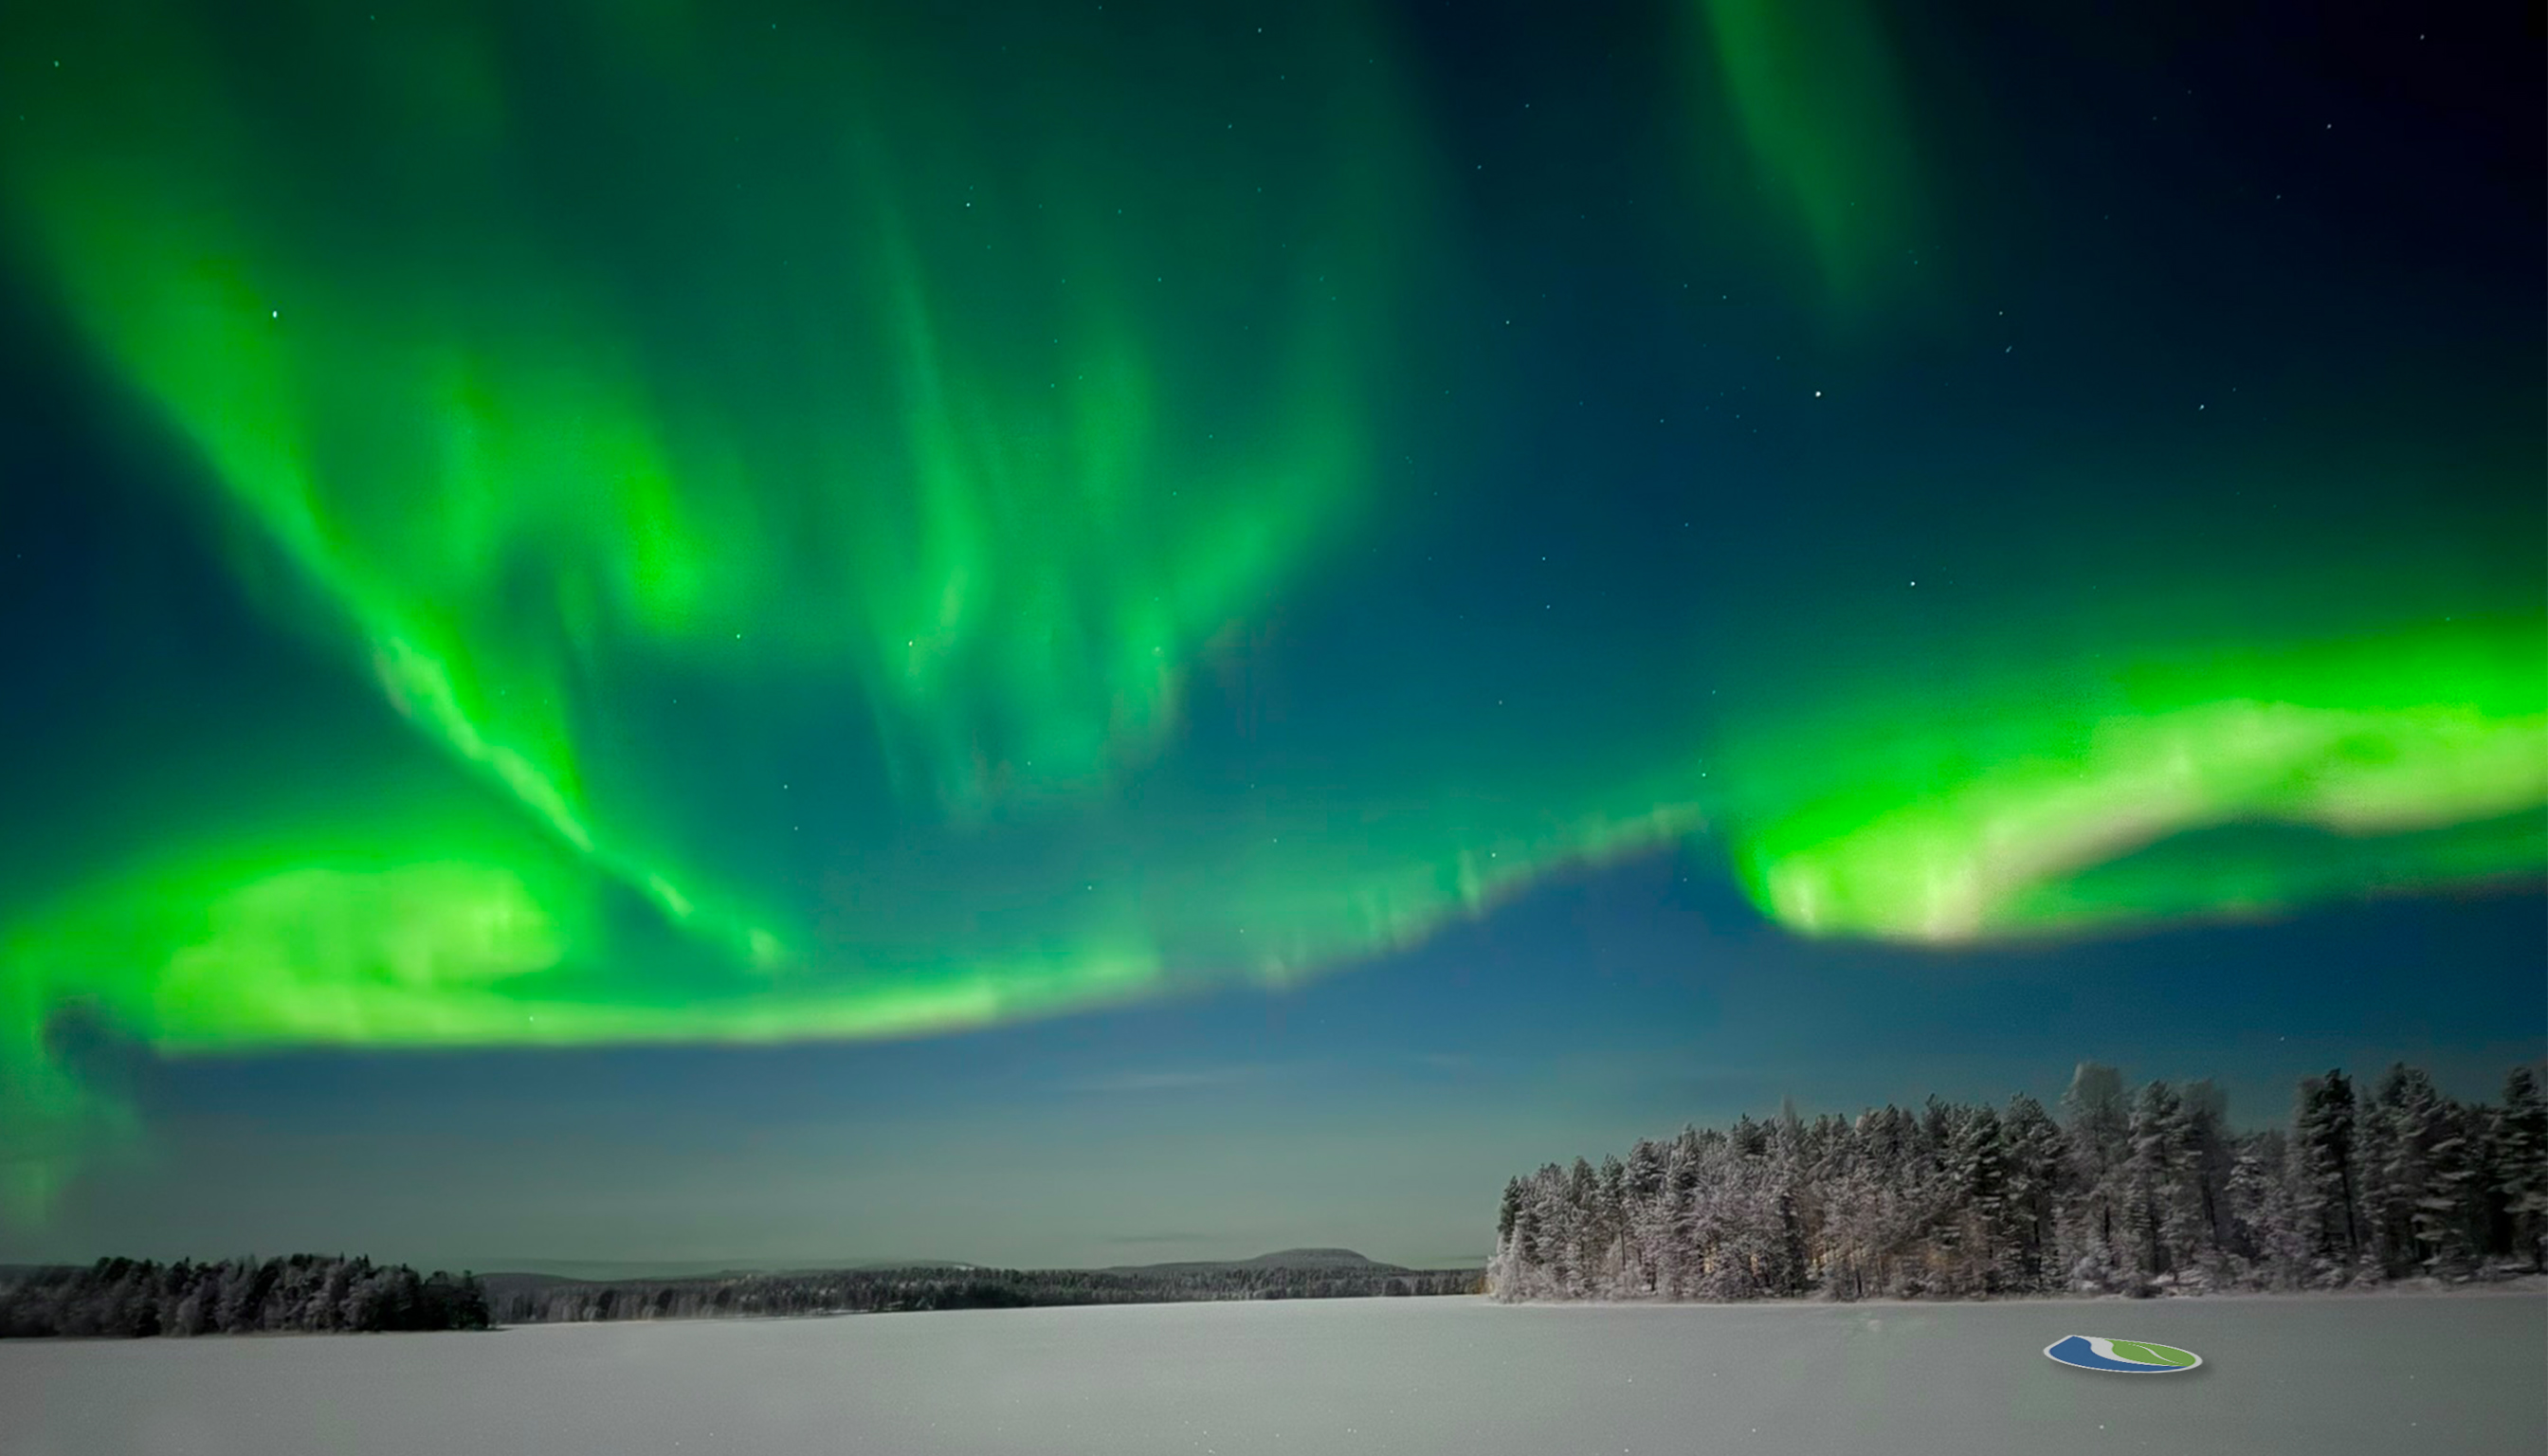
[(871, 1291), (2141, 1192), (314, 1294), (306, 1293)]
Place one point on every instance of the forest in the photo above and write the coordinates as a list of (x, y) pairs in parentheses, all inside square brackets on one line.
[(302, 1294), (314, 1294), (522, 1301), (2136, 1192)]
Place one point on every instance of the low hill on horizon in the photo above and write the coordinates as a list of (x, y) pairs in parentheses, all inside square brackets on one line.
[(1287, 1258), (528, 1274), (610, 1271)]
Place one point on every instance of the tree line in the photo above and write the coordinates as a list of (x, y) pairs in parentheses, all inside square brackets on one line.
[(311, 1293), (520, 1300), (304, 1293), (2133, 1192)]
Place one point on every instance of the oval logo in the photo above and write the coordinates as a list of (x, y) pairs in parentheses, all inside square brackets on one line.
[(2129, 1356)]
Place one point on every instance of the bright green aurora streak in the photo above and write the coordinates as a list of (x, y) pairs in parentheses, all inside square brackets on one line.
[(946, 418), (2023, 810)]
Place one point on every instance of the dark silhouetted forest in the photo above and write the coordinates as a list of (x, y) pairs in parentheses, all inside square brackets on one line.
[(518, 1300), (312, 1294), (304, 1293), (2145, 1191)]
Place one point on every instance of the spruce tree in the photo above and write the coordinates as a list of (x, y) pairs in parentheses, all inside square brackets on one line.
[(1611, 1193), (2098, 1125), (2210, 1157), (2323, 1174), (1647, 1219), (2521, 1161), (2032, 1164), (2150, 1179)]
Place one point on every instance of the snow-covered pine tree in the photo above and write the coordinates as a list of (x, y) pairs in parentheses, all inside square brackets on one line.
[(2519, 1158), (1580, 1252), (2262, 1212), (2421, 1200), (1647, 1218), (2390, 1176), (2098, 1123), (2032, 1167), (2450, 1217), (2210, 1156), (1611, 1222), (2325, 1191), (2149, 1179), (1793, 1254), (1973, 1227), (1681, 1177)]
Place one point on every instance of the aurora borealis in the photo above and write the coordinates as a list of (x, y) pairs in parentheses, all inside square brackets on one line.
[(853, 524)]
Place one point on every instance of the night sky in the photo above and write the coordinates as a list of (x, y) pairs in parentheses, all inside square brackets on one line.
[(1086, 634)]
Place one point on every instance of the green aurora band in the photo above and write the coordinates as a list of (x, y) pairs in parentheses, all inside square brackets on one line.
[(2020, 809), (864, 383)]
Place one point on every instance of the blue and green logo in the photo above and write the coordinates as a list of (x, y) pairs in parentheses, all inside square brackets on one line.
[(2131, 1356)]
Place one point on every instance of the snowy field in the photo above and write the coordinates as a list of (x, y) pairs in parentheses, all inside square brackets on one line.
[(2425, 1375)]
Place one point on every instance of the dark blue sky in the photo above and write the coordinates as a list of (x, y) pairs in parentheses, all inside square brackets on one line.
[(1838, 557)]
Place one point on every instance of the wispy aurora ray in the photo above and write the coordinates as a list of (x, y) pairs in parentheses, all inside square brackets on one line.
[(841, 350), (1812, 90)]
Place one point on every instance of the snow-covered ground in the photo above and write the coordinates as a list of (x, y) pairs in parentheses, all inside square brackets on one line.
[(2429, 1375)]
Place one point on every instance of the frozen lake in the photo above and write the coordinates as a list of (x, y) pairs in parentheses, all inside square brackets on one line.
[(1440, 1376)]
